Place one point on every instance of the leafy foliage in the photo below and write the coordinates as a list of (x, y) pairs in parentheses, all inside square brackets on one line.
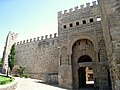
[(22, 70), (0, 61), (12, 57)]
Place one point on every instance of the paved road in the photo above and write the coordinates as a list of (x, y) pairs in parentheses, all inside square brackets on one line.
[(33, 84)]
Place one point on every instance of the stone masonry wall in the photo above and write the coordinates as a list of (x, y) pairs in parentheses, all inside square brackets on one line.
[(50, 58), (40, 58), (110, 12), (80, 15), (80, 20)]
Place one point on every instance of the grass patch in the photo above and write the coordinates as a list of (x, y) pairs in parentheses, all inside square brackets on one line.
[(5, 80)]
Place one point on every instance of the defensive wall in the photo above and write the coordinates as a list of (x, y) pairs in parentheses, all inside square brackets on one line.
[(41, 56), (54, 58)]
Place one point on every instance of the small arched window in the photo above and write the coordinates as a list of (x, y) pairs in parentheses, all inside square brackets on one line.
[(98, 19), (64, 26), (77, 23), (91, 20), (71, 25), (84, 21)]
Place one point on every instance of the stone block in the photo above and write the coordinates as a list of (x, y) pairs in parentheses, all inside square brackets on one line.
[(65, 76)]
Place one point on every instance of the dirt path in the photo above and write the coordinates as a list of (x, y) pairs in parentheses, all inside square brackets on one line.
[(33, 84)]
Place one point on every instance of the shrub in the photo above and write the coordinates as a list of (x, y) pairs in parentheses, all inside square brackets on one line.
[(18, 71), (16, 75), (25, 76), (0, 62)]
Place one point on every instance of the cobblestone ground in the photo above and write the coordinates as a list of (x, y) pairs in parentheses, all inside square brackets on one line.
[(33, 84)]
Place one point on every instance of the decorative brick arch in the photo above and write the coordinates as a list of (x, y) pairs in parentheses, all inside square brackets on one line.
[(83, 36), (79, 48)]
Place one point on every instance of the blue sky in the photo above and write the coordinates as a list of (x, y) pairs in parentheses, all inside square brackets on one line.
[(31, 18)]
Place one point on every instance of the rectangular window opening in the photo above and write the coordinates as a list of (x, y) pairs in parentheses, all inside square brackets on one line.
[(91, 20), (98, 19), (71, 25), (64, 26), (84, 22), (77, 23)]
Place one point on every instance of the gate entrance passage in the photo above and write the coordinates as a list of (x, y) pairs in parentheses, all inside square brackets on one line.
[(85, 72), (85, 75)]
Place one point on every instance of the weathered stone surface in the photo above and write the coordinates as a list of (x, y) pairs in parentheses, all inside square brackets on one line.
[(65, 76), (111, 30), (82, 41)]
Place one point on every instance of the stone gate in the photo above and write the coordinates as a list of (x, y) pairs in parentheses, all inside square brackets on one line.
[(85, 53)]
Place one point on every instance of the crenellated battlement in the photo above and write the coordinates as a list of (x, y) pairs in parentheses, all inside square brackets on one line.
[(77, 8), (13, 34), (88, 37), (46, 37)]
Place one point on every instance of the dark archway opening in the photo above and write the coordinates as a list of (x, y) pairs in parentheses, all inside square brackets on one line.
[(84, 58), (85, 73)]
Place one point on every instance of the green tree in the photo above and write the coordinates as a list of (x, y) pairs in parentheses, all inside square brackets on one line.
[(0, 61), (12, 57)]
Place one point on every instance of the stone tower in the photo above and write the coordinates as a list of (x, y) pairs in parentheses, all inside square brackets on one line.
[(110, 14), (10, 40), (82, 46)]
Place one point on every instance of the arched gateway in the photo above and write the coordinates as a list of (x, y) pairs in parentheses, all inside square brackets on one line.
[(83, 57), (83, 64)]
